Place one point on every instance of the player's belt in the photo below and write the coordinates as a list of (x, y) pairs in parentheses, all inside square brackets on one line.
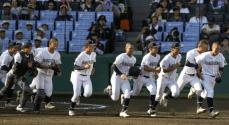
[(83, 75), (146, 77), (210, 75), (190, 74)]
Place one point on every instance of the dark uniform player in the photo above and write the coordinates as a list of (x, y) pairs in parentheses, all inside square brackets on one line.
[(23, 63)]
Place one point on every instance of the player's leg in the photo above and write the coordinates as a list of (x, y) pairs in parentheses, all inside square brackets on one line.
[(33, 87), (161, 85), (48, 92), (137, 86), (87, 85), (115, 85), (77, 82), (125, 87), (40, 85), (9, 83), (151, 87), (182, 80), (209, 83)]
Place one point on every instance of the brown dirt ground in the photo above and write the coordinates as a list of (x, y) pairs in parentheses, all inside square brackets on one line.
[(179, 112)]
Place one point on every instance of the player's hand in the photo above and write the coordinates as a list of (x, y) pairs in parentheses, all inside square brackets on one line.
[(30, 64), (200, 76), (123, 77), (87, 66), (158, 69), (177, 65)]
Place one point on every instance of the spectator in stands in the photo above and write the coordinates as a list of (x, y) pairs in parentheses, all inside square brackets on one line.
[(173, 36), (63, 16), (107, 5), (5, 25), (32, 12), (87, 6), (176, 16), (218, 6), (15, 9), (6, 12), (225, 30), (196, 1), (103, 30), (2, 35), (199, 17), (211, 30), (40, 32), (51, 5), (165, 6), (33, 4), (225, 46), (100, 49), (157, 13), (19, 37), (183, 9), (93, 30), (29, 26), (45, 27), (154, 25)]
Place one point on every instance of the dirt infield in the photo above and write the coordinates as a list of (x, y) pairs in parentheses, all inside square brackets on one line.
[(102, 111)]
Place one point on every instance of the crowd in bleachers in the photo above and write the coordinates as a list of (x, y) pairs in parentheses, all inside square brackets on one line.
[(72, 22), (185, 21)]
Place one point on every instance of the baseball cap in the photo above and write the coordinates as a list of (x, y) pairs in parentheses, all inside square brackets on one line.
[(6, 5), (5, 21), (26, 44), (38, 38), (29, 23), (18, 31), (152, 44), (176, 45), (41, 29), (149, 38), (91, 42), (2, 30), (12, 44)]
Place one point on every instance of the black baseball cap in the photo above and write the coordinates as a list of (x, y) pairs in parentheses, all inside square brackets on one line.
[(176, 45), (26, 44), (152, 44), (91, 42), (12, 44)]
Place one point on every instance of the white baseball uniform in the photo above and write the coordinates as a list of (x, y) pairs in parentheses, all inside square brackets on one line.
[(35, 51), (43, 80), (189, 73), (5, 59), (81, 78), (146, 79), (210, 69), (168, 79), (123, 62)]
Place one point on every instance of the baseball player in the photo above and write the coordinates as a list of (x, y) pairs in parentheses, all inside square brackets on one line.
[(212, 64), (190, 73), (167, 76), (49, 60), (119, 78), (80, 77), (149, 69), (23, 63), (6, 62)]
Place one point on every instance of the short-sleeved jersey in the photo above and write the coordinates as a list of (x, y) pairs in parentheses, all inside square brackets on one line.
[(190, 57), (6, 59), (150, 61)]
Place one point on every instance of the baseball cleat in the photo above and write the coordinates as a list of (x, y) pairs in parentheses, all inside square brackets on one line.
[(124, 114), (49, 106), (10, 105), (71, 113), (191, 92), (200, 110), (122, 99), (164, 101), (108, 90), (20, 109), (152, 113), (214, 113)]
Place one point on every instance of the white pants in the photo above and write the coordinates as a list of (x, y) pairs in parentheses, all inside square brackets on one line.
[(3, 78), (117, 83), (79, 81), (44, 81), (193, 80), (162, 83), (149, 83), (209, 84)]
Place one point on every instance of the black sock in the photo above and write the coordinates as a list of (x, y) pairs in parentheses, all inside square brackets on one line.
[(199, 101), (152, 100), (154, 105), (210, 104), (47, 99), (125, 105), (72, 105), (9, 95)]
